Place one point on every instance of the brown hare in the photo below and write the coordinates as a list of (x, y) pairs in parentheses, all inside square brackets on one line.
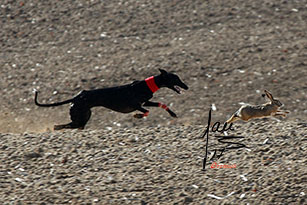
[(269, 109)]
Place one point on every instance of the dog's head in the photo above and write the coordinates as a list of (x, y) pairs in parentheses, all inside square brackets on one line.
[(172, 81)]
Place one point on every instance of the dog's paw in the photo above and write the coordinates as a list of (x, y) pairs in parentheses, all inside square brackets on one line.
[(138, 115), (172, 114)]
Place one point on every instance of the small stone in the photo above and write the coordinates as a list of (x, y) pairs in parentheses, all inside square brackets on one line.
[(182, 194), (32, 155), (188, 199)]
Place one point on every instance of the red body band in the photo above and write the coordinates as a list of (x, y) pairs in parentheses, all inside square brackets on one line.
[(151, 84)]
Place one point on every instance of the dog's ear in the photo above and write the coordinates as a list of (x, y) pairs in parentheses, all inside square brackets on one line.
[(163, 72)]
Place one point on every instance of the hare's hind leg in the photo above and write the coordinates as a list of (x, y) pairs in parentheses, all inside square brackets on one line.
[(233, 118), (280, 114)]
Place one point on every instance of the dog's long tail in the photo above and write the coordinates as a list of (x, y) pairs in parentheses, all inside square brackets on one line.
[(50, 105)]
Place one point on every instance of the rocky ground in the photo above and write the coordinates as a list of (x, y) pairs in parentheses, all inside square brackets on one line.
[(228, 52), (152, 165)]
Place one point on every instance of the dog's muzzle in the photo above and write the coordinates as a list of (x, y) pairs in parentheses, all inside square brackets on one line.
[(177, 88)]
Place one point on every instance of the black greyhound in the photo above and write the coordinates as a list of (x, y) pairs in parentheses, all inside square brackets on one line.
[(124, 99)]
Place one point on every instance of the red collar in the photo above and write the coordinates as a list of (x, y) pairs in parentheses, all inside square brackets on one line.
[(151, 84)]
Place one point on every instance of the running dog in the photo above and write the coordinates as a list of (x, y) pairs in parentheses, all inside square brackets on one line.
[(124, 99)]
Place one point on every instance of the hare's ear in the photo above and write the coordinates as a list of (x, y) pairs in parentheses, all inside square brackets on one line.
[(269, 95)]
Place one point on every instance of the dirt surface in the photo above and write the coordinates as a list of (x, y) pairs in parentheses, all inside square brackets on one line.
[(227, 52), (151, 165)]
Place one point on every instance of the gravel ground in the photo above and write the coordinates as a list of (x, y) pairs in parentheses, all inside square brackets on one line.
[(227, 52), (154, 165)]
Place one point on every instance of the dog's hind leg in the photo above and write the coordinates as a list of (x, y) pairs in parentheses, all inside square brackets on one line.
[(144, 113), (163, 106), (79, 116), (70, 125)]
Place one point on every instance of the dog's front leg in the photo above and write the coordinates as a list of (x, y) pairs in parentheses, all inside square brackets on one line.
[(163, 106), (144, 111)]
